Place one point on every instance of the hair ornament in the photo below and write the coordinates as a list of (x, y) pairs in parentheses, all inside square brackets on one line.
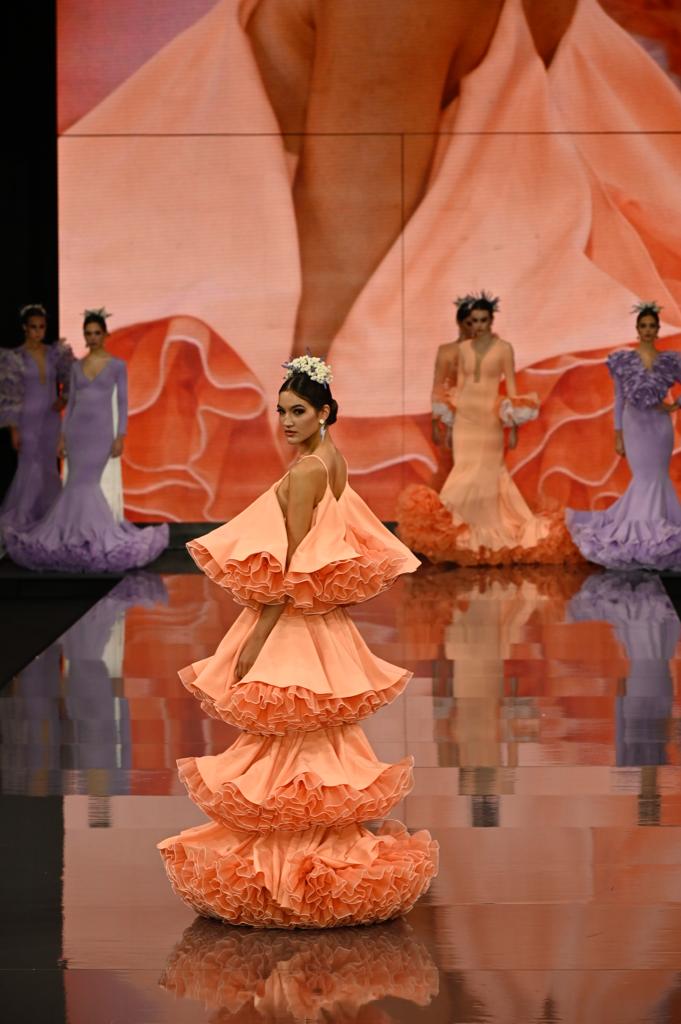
[(312, 366), (464, 300), (492, 301), (34, 308), (96, 312), (646, 307)]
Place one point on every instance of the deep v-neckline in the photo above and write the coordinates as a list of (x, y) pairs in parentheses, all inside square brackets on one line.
[(91, 380), (647, 369), (479, 359), (41, 368)]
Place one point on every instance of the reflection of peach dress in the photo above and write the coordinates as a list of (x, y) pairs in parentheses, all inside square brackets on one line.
[(480, 516), (537, 190), (286, 847)]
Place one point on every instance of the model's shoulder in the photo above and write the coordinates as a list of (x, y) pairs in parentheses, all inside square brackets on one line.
[(309, 469), (623, 358)]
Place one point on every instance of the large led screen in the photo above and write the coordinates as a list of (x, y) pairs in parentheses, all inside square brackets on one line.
[(245, 179)]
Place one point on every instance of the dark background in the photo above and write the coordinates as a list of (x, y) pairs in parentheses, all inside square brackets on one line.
[(30, 220)]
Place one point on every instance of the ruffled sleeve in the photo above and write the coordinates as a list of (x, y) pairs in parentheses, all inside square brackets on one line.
[(513, 412), (247, 555), (12, 387), (347, 557)]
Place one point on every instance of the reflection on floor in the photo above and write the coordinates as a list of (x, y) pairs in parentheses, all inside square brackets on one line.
[(545, 718)]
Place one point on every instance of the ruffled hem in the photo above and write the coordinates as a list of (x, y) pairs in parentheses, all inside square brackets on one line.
[(636, 545), (341, 583), (316, 879), (299, 975), (426, 526), (271, 710), (252, 581), (300, 798), (118, 550)]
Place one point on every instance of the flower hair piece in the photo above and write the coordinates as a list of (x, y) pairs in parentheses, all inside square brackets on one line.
[(491, 300), (646, 307), (312, 366), (36, 308), (97, 312)]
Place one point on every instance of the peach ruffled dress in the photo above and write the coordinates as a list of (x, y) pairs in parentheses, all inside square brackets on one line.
[(286, 846), (480, 516)]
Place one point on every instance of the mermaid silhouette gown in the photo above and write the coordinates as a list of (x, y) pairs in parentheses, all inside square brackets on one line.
[(79, 533), (26, 402), (480, 515), (643, 528), (286, 847)]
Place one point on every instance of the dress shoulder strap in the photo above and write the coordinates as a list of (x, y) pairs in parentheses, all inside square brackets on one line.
[(319, 459)]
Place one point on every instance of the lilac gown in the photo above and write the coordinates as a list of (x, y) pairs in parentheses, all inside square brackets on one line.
[(643, 527), (26, 403), (79, 533)]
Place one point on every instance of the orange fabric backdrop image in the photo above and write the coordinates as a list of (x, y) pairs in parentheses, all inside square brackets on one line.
[(242, 180)]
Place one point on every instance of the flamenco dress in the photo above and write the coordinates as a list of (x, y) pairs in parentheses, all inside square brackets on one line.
[(642, 529), (480, 517), (80, 533), (286, 846), (27, 402)]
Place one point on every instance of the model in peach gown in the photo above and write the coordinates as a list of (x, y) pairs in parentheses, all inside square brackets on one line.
[(286, 847), (480, 516)]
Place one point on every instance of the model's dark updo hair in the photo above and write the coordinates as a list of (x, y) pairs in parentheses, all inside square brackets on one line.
[(33, 309), (463, 312), (648, 311), (318, 395), (486, 303), (92, 317)]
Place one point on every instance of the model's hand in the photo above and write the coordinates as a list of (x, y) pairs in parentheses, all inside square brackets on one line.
[(15, 438), (512, 438), (249, 653), (59, 404), (117, 448), (619, 444), (61, 449)]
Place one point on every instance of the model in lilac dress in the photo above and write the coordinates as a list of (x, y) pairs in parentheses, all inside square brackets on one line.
[(643, 527), (30, 377), (79, 533)]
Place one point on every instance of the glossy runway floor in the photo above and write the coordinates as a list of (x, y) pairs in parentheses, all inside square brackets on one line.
[(545, 719)]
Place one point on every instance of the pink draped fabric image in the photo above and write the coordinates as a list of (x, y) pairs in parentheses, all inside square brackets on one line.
[(254, 198)]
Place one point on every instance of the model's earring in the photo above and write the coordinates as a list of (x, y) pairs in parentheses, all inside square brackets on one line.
[(322, 424)]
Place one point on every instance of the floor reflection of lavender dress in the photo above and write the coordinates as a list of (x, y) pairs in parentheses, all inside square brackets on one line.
[(646, 625), (643, 528), (26, 401), (67, 712), (80, 534)]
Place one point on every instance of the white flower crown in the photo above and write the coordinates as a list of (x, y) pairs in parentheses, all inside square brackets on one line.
[(312, 366)]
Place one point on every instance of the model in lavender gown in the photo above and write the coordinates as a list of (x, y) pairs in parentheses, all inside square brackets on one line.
[(643, 528), (79, 533), (31, 378)]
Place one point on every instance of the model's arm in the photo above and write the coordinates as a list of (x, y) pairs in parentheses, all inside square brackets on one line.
[(122, 407), (511, 388), (444, 377), (70, 406), (12, 386), (305, 491)]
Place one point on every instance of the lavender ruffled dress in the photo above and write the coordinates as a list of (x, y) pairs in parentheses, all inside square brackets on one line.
[(643, 527), (79, 533), (26, 402)]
